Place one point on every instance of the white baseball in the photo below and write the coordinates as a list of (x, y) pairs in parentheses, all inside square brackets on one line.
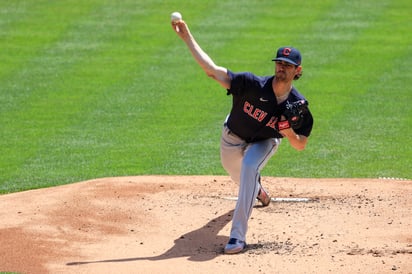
[(176, 16)]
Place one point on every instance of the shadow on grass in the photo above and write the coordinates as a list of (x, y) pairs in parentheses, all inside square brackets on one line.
[(202, 244)]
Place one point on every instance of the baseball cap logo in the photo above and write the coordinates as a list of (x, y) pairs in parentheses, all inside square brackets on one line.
[(286, 51), (288, 54)]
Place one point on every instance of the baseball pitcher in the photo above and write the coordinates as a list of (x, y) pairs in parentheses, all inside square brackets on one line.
[(265, 110)]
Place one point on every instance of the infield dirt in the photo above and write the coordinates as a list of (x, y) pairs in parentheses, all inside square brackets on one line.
[(180, 224)]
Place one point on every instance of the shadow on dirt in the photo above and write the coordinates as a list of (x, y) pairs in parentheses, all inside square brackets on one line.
[(202, 244)]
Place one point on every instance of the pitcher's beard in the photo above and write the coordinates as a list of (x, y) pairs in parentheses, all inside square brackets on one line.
[(280, 77)]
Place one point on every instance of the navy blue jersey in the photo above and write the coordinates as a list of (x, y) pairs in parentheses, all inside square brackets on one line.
[(255, 110)]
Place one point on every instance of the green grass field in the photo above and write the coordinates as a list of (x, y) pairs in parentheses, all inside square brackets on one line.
[(99, 88)]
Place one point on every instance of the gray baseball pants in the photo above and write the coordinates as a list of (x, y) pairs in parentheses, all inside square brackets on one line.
[(244, 161)]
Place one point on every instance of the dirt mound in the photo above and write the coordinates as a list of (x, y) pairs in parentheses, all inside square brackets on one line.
[(180, 224)]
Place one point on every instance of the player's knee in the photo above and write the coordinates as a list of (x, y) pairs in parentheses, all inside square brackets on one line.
[(249, 166)]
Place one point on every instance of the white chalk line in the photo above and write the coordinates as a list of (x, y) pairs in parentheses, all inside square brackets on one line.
[(393, 178), (279, 200)]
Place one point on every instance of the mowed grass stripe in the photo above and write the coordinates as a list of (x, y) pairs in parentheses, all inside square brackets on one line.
[(76, 138), (349, 138), (382, 103), (64, 96), (24, 120), (361, 91), (337, 72), (127, 97), (27, 28)]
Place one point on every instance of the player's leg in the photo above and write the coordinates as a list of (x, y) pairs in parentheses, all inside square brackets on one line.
[(255, 158), (231, 153)]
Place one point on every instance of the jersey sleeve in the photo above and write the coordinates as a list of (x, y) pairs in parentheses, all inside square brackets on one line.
[(239, 82)]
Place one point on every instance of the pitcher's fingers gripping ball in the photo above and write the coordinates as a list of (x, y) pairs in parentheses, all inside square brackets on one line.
[(178, 25), (175, 17)]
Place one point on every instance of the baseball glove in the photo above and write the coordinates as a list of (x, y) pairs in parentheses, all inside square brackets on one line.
[(294, 114)]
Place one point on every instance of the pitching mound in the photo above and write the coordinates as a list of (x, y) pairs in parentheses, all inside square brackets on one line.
[(175, 224)]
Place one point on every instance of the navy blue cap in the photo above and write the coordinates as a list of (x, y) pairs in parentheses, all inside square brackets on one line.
[(290, 55)]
